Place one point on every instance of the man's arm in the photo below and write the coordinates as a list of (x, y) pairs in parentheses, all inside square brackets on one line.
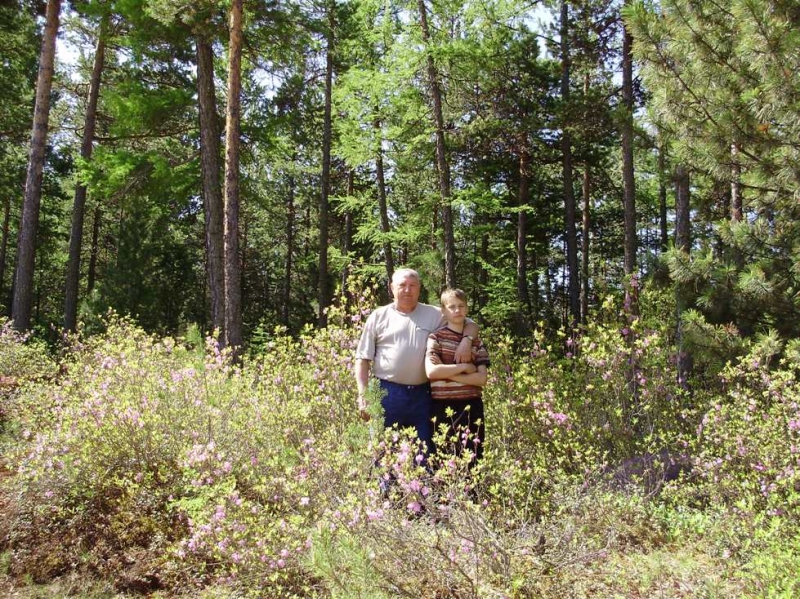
[(464, 350), (361, 371)]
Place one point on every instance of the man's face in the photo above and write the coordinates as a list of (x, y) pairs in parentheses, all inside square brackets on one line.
[(454, 310), (406, 293)]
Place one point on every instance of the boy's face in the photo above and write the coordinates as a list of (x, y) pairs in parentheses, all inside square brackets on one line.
[(454, 310)]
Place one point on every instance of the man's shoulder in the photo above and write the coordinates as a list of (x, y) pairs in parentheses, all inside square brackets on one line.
[(380, 311), (429, 310)]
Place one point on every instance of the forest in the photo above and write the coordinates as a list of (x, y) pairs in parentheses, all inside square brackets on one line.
[(202, 201)]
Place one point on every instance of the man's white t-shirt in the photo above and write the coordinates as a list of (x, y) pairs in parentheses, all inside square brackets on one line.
[(395, 342)]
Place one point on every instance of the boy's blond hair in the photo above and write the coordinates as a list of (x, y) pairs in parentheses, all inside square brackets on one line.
[(456, 293)]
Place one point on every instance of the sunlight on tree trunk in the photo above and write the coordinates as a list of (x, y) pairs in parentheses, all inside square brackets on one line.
[(682, 244), (383, 205), (79, 206), (26, 246), (523, 201), (573, 286), (233, 293), (442, 165), (212, 190), (324, 293)]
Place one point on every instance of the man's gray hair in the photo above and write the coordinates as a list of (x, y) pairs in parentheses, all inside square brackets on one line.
[(402, 273)]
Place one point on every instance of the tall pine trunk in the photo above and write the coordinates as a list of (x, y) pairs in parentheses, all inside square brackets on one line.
[(523, 201), (79, 205), (347, 242), (628, 182), (383, 207), (91, 275), (327, 138), (483, 251), (682, 244), (233, 277), (629, 217), (29, 224), (289, 263), (736, 185), (210, 168), (442, 166), (662, 197), (4, 244), (586, 225), (566, 170)]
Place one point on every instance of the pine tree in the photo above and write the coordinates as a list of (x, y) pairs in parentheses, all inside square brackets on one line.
[(723, 85), (79, 204), (26, 244)]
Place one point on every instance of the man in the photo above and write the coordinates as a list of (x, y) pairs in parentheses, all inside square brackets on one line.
[(393, 346)]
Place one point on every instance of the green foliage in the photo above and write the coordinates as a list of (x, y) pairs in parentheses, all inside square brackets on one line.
[(723, 101), (22, 361), (23, 358), (155, 462)]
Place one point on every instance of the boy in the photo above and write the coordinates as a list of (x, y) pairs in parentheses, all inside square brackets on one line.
[(457, 388)]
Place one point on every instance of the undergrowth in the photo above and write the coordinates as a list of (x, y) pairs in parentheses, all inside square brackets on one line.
[(152, 465)]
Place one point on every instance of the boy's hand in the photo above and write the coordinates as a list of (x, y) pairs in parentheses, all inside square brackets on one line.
[(468, 368)]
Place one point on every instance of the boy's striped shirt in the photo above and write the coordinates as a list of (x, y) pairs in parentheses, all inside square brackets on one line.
[(444, 343)]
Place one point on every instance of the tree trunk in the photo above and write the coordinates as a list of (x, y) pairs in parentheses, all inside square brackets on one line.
[(629, 185), (587, 219), (29, 223), (682, 244), (347, 245), (91, 276), (383, 206), (442, 166), (566, 163), (233, 282), (662, 198), (79, 205), (736, 185), (523, 202), (4, 244), (212, 189), (629, 211), (483, 272), (682, 230), (289, 264), (324, 293)]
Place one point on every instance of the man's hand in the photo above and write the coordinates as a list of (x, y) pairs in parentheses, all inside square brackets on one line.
[(362, 409), (464, 351), (468, 368), (362, 368)]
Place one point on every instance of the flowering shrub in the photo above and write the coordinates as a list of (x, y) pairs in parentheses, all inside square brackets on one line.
[(748, 443), (22, 360), (154, 463), (581, 404)]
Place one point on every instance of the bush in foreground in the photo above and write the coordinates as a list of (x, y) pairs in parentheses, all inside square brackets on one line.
[(158, 465)]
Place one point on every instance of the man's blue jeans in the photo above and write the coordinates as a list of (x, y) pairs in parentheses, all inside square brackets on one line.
[(408, 405)]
